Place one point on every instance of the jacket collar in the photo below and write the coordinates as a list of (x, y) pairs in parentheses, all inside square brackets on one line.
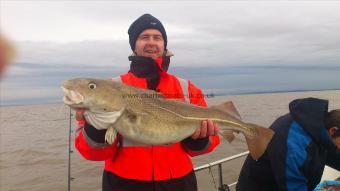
[(152, 70)]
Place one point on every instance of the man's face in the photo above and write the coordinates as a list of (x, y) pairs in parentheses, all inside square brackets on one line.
[(150, 43), (336, 141)]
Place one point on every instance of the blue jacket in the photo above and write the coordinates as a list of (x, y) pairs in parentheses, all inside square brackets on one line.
[(297, 154)]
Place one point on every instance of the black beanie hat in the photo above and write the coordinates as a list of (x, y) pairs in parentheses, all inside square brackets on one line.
[(146, 21)]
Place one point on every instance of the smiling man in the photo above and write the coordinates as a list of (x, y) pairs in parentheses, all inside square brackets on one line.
[(130, 166), (150, 43)]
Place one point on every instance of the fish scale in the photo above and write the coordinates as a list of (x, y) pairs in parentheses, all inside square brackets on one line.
[(182, 112)]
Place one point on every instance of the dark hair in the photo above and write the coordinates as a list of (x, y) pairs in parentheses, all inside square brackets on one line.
[(333, 120)]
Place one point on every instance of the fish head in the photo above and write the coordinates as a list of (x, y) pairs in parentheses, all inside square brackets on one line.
[(92, 94)]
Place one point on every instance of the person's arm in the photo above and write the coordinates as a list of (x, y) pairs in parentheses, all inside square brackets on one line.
[(333, 159), (286, 154), (205, 139), (298, 141), (295, 179), (90, 141)]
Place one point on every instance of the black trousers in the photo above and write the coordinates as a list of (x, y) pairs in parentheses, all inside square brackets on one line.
[(112, 182)]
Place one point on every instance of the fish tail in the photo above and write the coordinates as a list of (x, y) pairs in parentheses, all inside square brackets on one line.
[(258, 143)]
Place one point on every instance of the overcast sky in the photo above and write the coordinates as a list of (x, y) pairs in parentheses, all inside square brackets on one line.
[(57, 40), (200, 33)]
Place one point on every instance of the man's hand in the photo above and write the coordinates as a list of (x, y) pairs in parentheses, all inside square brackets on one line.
[(80, 114), (80, 117), (208, 128)]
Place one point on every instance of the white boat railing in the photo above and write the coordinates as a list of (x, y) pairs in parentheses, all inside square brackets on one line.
[(222, 186)]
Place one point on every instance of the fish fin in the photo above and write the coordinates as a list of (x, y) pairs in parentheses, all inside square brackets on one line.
[(110, 135), (134, 117), (228, 107), (228, 135), (257, 145)]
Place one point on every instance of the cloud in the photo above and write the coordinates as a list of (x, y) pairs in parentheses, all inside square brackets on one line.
[(200, 33), (84, 53)]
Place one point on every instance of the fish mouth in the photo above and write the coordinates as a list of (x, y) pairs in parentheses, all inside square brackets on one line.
[(72, 97)]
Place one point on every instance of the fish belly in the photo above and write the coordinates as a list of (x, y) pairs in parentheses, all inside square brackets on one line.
[(154, 129)]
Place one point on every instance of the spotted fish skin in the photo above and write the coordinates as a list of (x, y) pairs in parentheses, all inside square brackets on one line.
[(147, 117)]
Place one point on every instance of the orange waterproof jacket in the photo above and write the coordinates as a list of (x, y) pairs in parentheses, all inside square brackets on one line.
[(130, 160)]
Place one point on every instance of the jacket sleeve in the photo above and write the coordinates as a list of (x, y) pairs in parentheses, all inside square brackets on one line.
[(90, 143), (333, 159), (297, 153), (204, 145)]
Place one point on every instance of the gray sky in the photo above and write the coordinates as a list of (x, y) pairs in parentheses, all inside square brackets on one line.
[(200, 33), (57, 40)]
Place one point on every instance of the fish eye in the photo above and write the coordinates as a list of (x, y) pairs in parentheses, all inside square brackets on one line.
[(92, 86)]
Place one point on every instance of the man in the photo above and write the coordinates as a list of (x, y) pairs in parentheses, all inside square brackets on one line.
[(305, 140), (131, 166)]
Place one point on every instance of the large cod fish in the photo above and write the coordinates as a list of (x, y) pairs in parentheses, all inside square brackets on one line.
[(145, 116)]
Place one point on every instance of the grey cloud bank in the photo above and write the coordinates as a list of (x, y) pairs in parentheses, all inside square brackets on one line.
[(227, 47)]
